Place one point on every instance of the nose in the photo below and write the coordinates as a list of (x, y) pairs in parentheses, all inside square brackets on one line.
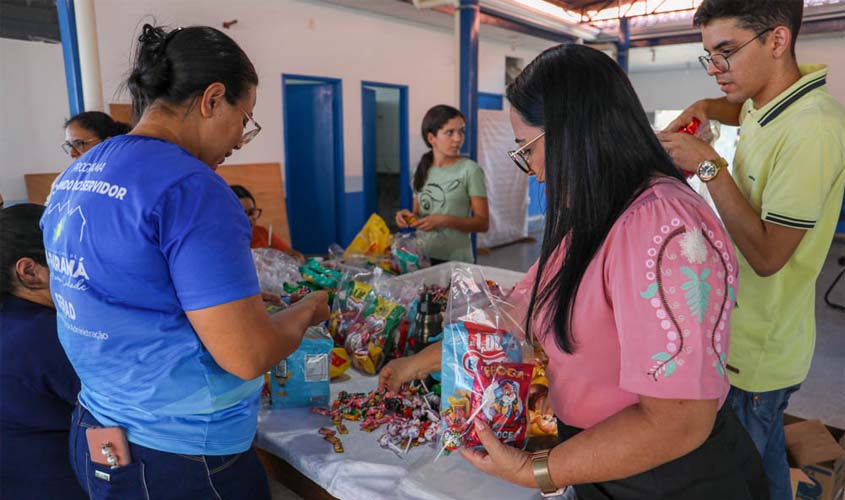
[(74, 154), (712, 70)]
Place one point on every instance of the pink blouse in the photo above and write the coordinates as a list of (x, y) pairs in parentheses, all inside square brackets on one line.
[(652, 312)]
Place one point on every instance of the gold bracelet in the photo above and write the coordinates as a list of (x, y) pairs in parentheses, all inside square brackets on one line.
[(540, 468)]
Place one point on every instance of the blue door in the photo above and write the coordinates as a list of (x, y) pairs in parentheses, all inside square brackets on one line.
[(310, 165), (369, 116)]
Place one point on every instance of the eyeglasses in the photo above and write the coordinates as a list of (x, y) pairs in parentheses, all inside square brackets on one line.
[(720, 61), (249, 135), (522, 155), (253, 212), (77, 146)]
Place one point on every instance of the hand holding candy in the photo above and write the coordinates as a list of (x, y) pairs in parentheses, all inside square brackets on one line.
[(500, 460), (319, 302), (395, 373), (405, 218), (431, 222)]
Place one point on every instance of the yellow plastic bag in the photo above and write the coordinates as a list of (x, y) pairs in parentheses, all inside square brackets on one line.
[(374, 239)]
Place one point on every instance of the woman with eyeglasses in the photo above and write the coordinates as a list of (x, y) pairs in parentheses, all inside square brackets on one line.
[(450, 199), (630, 298), (89, 128), (261, 236), (158, 303)]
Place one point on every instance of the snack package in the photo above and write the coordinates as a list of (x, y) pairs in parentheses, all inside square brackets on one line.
[(373, 239), (368, 339), (355, 298), (302, 379), (321, 276), (500, 394), (274, 269), (338, 362)]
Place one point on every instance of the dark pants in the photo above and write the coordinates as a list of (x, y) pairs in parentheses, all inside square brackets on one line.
[(159, 475), (761, 413), (726, 467)]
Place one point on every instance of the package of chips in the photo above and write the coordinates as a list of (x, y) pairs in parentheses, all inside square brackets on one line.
[(302, 379)]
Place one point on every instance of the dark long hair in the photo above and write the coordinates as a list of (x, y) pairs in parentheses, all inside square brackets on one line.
[(21, 237), (242, 192), (180, 64), (601, 153), (433, 121), (101, 124)]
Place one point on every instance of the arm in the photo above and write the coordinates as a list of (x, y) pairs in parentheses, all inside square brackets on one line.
[(766, 246), (708, 109), (637, 439), (245, 341), (479, 222)]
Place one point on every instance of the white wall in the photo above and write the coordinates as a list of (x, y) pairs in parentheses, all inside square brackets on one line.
[(291, 36), (33, 107), (678, 87)]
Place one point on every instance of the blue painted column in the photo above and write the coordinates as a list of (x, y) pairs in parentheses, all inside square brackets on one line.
[(624, 44), (469, 20), (70, 53)]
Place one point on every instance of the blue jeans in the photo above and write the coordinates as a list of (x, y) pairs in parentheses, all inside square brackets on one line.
[(157, 475), (761, 413)]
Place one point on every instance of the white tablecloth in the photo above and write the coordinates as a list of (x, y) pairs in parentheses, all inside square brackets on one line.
[(365, 471)]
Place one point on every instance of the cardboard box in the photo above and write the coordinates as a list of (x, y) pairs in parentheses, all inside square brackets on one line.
[(811, 447)]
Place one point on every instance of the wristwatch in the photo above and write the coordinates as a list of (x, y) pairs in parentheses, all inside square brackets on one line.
[(709, 169), (540, 468)]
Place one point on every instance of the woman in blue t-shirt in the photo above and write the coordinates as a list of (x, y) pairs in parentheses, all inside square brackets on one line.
[(159, 308), (38, 385)]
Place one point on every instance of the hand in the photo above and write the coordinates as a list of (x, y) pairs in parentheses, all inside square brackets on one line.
[(686, 151), (698, 110), (272, 298), (319, 304), (431, 222), (402, 218), (397, 372), (500, 460)]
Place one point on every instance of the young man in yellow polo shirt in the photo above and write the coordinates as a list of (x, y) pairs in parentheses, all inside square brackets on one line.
[(780, 206)]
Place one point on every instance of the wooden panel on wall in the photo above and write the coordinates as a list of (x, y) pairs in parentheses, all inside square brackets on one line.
[(38, 186), (263, 180), (121, 112)]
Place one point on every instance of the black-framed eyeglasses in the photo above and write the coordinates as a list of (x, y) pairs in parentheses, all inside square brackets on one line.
[(522, 156), (77, 146), (253, 212), (720, 61), (250, 134)]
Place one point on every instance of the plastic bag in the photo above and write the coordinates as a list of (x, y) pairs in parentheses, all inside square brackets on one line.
[(373, 239), (487, 365), (354, 298), (274, 269), (302, 379), (406, 254)]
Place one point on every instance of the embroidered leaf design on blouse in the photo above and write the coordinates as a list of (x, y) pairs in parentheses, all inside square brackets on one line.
[(697, 291), (719, 364), (731, 294), (650, 292), (662, 367)]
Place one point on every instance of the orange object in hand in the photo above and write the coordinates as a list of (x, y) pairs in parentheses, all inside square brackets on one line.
[(411, 219)]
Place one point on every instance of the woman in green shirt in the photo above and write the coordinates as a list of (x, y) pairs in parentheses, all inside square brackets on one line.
[(450, 200)]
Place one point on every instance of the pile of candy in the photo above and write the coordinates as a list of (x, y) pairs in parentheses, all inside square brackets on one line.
[(409, 416)]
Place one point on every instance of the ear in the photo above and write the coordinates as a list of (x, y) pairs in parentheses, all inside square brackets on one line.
[(211, 99), (430, 138), (781, 40), (31, 274)]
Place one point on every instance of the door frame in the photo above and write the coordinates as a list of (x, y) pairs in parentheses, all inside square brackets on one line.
[(337, 111), (406, 199)]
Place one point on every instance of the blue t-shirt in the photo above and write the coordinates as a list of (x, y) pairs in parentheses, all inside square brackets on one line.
[(138, 231)]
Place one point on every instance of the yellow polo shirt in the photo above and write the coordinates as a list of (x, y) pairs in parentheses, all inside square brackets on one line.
[(790, 166)]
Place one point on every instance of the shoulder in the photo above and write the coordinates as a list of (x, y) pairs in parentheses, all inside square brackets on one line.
[(470, 167)]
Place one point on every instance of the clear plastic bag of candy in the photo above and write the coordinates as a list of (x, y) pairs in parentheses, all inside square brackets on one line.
[(274, 269), (355, 298), (406, 254), (486, 365)]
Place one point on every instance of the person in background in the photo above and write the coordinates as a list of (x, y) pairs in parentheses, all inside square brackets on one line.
[(261, 237), (38, 384), (87, 129), (780, 204), (630, 298), (450, 199), (159, 309)]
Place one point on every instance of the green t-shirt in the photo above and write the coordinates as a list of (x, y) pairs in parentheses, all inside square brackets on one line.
[(447, 191), (790, 166)]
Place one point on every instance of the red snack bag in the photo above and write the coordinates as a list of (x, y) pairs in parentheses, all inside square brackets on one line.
[(500, 390)]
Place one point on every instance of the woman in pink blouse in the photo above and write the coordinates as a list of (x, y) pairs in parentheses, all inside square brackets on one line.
[(632, 306)]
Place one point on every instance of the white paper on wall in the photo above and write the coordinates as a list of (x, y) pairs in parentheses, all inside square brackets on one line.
[(507, 186)]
